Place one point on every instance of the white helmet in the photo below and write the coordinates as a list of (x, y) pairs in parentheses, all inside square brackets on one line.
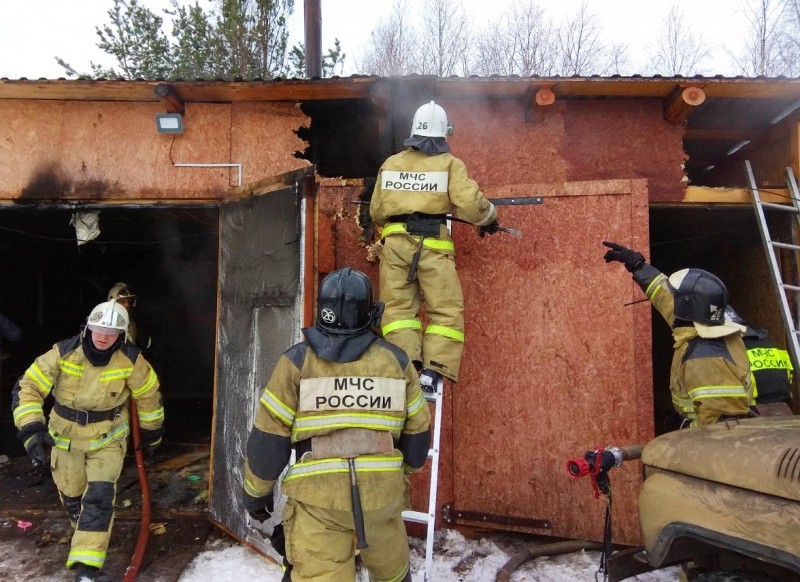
[(108, 316), (122, 291), (430, 120)]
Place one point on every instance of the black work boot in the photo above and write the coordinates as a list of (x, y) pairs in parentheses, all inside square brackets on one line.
[(428, 381), (84, 572)]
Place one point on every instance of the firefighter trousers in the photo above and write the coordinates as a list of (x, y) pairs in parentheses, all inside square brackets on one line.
[(320, 543), (91, 476), (437, 282)]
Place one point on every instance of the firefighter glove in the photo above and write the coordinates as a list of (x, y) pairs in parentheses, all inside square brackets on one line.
[(621, 254), (278, 540), (38, 443), (260, 508), (149, 440), (488, 229)]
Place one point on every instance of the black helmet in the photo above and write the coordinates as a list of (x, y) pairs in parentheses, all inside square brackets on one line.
[(750, 331), (732, 315), (700, 296), (345, 305)]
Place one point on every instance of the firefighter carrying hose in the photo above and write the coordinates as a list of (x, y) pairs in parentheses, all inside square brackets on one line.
[(351, 405), (710, 375), (91, 376), (414, 191)]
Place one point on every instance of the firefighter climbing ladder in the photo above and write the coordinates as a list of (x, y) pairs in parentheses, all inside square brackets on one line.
[(771, 248), (429, 518)]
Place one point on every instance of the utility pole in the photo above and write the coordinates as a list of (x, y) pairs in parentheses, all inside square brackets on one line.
[(313, 38)]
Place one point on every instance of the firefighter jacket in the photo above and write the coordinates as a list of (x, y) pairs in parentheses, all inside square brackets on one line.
[(77, 384), (770, 368), (709, 378), (325, 384), (412, 181)]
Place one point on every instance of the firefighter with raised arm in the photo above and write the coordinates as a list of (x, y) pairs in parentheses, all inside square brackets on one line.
[(350, 404), (710, 374), (414, 192), (92, 376)]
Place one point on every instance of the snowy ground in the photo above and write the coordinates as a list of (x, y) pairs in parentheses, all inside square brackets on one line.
[(456, 559)]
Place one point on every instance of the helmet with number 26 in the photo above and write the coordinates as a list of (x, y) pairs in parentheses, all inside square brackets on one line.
[(430, 120)]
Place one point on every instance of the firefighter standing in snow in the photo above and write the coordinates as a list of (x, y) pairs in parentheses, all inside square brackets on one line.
[(710, 375), (91, 376), (342, 394), (414, 191)]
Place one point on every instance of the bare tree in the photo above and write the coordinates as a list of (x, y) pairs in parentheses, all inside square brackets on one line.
[(389, 49), (790, 42), (617, 62), (522, 42), (581, 49), (761, 54), (679, 51), (444, 38)]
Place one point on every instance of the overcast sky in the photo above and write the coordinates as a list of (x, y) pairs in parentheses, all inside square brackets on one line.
[(33, 32)]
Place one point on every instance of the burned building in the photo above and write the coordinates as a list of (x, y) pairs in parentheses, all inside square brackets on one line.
[(224, 225)]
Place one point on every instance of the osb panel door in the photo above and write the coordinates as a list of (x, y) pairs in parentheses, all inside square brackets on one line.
[(555, 363)]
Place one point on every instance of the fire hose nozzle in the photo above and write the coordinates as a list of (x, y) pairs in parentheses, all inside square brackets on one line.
[(577, 468), (597, 460)]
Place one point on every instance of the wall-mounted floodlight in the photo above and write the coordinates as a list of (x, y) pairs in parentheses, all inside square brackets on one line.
[(169, 123)]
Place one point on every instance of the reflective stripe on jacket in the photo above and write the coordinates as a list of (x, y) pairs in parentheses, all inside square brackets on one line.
[(412, 181), (308, 396), (709, 377), (76, 383)]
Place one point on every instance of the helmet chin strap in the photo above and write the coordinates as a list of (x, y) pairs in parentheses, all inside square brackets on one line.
[(377, 313)]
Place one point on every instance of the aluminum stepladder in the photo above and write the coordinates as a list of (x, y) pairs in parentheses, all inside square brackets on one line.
[(771, 249), (429, 518)]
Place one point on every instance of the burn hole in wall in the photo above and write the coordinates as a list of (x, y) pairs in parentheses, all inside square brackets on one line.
[(724, 240), (168, 256), (343, 138)]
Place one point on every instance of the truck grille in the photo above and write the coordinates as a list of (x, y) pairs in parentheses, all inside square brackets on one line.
[(789, 467)]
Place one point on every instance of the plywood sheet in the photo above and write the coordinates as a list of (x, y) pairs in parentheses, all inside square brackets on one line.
[(554, 363)]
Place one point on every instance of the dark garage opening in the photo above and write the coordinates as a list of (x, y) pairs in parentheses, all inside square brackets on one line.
[(168, 256), (725, 240)]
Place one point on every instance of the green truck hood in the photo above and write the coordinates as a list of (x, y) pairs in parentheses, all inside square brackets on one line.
[(759, 454)]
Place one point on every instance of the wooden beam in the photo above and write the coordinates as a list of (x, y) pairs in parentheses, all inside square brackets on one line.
[(706, 195), (545, 96), (170, 98), (537, 96), (729, 134), (681, 102), (357, 87)]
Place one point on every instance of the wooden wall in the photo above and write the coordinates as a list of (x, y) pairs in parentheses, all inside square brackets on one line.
[(554, 363), (111, 150)]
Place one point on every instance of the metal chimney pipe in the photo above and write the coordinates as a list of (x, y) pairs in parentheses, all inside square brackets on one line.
[(313, 34)]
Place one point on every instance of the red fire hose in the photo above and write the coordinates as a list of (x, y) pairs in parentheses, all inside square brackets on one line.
[(144, 526)]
